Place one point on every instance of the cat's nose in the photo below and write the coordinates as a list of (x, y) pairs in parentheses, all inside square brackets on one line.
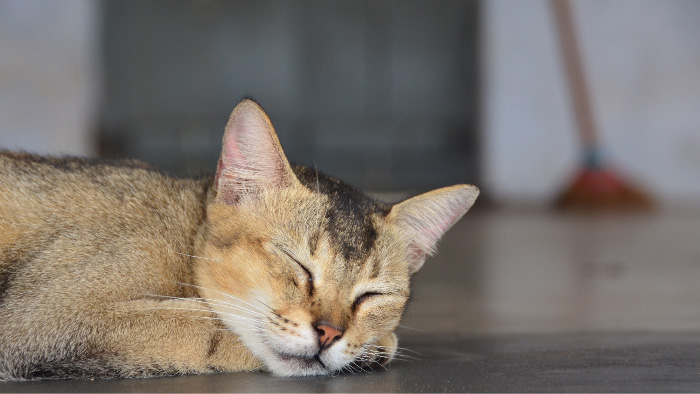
[(327, 334)]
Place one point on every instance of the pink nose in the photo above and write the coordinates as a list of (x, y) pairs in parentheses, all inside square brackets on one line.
[(327, 335)]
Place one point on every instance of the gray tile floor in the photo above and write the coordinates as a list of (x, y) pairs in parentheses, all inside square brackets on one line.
[(525, 301)]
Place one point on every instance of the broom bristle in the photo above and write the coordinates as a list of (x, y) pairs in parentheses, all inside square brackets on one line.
[(603, 190)]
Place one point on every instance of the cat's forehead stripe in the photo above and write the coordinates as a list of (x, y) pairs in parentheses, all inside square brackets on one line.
[(376, 268), (313, 242), (349, 218)]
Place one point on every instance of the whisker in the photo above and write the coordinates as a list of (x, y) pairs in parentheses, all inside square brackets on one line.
[(273, 311), (352, 367), (222, 321), (356, 367), (401, 357), (229, 305), (226, 295), (209, 301), (412, 328), (398, 348), (395, 354), (198, 257), (383, 366), (210, 317), (239, 317)]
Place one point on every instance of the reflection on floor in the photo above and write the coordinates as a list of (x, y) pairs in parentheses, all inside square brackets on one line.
[(526, 301), (509, 272)]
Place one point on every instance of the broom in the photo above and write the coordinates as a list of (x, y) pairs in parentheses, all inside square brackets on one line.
[(596, 187)]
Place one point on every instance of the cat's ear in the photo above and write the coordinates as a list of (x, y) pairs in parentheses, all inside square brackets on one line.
[(423, 219), (252, 160)]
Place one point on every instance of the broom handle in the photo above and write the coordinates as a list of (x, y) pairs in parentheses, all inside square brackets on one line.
[(574, 73)]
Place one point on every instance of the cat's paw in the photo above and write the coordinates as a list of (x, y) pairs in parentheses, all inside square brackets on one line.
[(381, 352)]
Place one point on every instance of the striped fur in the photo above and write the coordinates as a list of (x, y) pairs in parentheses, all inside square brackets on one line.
[(114, 269)]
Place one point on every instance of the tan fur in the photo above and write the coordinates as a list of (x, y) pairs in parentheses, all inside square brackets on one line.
[(92, 247), (115, 270)]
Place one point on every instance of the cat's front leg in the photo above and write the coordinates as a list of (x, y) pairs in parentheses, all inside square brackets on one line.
[(151, 337)]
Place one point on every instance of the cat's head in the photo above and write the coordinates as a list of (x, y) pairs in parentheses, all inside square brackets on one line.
[(310, 273)]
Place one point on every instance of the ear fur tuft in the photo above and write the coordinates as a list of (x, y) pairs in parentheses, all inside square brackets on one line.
[(422, 220)]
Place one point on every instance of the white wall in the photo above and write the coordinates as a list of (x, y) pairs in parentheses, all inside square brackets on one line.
[(49, 75), (642, 59)]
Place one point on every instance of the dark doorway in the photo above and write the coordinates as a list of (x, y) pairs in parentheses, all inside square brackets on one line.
[(380, 93)]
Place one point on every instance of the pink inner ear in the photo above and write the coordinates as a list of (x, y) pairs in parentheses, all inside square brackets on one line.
[(431, 232), (415, 252), (251, 159), (416, 257), (424, 220)]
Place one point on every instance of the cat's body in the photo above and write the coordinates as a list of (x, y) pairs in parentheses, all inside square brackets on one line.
[(117, 270)]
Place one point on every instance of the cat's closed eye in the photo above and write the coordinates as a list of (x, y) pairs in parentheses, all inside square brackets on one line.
[(309, 278), (364, 297)]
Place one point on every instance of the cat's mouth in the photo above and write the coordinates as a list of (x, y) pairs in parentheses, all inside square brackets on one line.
[(291, 365), (305, 361)]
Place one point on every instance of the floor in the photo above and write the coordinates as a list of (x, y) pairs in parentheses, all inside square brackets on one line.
[(524, 301)]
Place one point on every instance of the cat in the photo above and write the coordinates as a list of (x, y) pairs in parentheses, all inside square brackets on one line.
[(114, 269)]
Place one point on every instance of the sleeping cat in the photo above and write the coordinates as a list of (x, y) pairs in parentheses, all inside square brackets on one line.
[(113, 269)]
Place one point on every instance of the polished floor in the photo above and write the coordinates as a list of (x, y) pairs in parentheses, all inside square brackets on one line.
[(523, 301)]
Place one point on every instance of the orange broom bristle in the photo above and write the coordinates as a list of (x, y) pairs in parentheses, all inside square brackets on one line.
[(602, 190)]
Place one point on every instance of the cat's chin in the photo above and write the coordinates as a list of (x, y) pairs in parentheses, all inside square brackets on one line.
[(287, 365)]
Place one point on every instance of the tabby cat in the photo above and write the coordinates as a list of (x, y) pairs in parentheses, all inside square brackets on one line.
[(113, 269)]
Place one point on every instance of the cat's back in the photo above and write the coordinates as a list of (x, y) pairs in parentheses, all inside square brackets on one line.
[(28, 180), (58, 215), (37, 192)]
